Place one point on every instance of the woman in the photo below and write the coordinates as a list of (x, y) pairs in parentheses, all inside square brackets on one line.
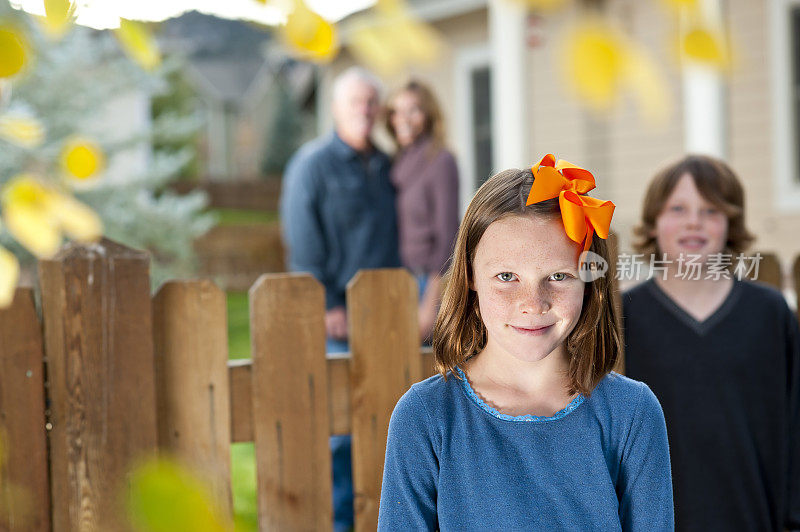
[(426, 178)]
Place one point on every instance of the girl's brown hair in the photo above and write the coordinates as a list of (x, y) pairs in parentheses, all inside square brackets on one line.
[(715, 181), (593, 345), (434, 123)]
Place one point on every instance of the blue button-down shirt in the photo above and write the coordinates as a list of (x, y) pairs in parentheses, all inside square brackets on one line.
[(338, 213)]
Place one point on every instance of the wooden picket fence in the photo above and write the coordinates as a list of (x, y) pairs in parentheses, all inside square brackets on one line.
[(111, 374), (126, 375)]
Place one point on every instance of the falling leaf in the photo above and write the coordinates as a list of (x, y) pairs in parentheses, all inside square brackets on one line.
[(9, 274), (309, 35), (36, 215), (81, 158), (594, 62), (21, 129), (76, 219), (600, 64), (540, 5), (389, 39), (681, 4), (137, 42), (13, 51), (706, 46), (165, 497), (59, 16), (648, 87)]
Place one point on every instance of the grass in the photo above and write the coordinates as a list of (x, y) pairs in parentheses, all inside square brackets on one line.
[(243, 455), (238, 325)]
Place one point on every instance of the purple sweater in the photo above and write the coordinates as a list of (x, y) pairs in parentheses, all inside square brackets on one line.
[(427, 206)]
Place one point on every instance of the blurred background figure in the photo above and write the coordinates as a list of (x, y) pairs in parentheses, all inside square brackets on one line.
[(723, 359), (425, 175), (338, 216)]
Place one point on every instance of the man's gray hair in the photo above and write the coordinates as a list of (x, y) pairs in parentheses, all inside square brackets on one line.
[(355, 73)]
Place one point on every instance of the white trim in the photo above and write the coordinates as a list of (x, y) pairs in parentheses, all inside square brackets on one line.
[(787, 187), (507, 28), (703, 111), (432, 11), (466, 60), (704, 96)]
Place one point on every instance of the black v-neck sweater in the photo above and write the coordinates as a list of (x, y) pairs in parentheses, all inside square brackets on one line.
[(730, 390)]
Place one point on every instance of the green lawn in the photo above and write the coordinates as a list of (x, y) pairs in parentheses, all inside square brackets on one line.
[(238, 325), (244, 216), (243, 457)]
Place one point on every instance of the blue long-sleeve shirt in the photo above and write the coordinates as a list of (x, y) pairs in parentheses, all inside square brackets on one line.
[(338, 214), (454, 463)]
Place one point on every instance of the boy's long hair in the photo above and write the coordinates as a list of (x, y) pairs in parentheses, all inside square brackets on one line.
[(594, 344), (715, 181)]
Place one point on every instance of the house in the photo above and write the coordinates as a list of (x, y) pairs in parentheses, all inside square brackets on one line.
[(233, 66), (505, 105)]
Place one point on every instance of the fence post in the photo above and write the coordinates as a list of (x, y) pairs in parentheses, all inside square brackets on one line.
[(290, 410), (192, 387), (99, 346), (24, 492), (769, 270), (385, 348)]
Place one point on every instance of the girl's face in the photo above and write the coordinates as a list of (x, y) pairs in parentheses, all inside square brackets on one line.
[(408, 118), (689, 224), (525, 273)]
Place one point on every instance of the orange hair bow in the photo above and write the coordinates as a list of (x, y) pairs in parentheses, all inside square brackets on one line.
[(582, 216)]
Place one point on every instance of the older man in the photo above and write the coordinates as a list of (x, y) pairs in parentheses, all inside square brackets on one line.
[(338, 216)]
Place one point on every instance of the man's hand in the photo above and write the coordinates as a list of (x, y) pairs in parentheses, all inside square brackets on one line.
[(336, 323)]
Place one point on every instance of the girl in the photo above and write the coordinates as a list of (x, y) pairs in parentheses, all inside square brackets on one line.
[(724, 359), (426, 178), (526, 427)]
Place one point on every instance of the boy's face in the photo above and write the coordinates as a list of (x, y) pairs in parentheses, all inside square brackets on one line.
[(525, 273), (689, 224)]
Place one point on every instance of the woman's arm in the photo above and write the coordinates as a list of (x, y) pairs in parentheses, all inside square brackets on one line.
[(429, 305), (411, 470), (645, 481), (444, 203)]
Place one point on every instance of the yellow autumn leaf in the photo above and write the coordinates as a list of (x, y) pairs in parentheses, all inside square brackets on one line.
[(13, 51), (389, 39), (706, 46), (540, 5), (74, 218), (309, 35), (681, 4), (593, 62), (138, 43), (648, 87), (36, 215), (59, 16), (32, 228), (81, 158), (600, 64), (164, 496), (21, 130), (9, 274)]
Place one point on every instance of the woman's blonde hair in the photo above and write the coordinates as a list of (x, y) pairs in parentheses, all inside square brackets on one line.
[(594, 344), (715, 181), (434, 122)]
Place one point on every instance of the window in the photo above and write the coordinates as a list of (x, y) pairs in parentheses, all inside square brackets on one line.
[(481, 123), (794, 91)]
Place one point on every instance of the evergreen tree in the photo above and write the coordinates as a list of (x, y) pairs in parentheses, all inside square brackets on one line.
[(71, 86)]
